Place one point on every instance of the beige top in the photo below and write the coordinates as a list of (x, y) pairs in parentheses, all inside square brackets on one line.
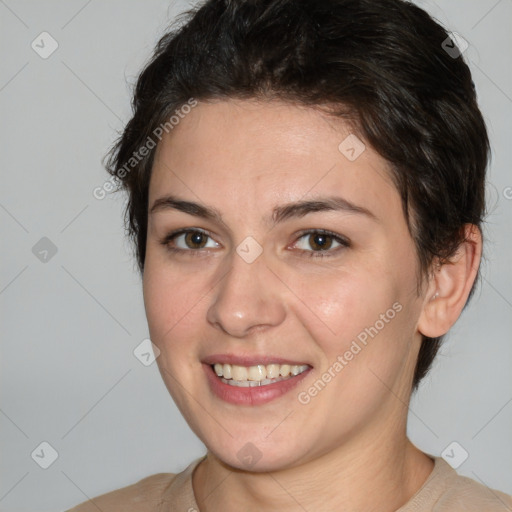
[(443, 491)]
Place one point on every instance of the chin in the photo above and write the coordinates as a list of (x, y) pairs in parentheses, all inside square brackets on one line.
[(255, 458)]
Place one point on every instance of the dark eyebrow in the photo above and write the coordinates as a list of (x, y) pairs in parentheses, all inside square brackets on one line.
[(196, 209), (321, 204), (279, 213)]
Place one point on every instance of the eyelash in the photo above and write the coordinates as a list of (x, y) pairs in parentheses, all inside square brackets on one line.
[(344, 243)]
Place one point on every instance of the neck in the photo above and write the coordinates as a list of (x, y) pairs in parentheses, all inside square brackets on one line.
[(376, 473)]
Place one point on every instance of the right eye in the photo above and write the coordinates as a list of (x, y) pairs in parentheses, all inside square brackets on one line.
[(187, 240)]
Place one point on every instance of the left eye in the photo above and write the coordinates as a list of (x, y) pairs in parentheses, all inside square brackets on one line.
[(322, 241)]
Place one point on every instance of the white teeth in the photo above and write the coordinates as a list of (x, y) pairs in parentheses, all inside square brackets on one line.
[(256, 375), (252, 383), (257, 372), (272, 371), (226, 371), (239, 372), (295, 370), (284, 370)]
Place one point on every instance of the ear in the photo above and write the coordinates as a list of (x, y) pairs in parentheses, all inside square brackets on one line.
[(450, 285)]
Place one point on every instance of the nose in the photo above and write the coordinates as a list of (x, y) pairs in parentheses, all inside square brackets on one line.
[(246, 299)]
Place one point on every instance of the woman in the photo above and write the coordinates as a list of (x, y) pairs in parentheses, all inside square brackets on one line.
[(306, 190)]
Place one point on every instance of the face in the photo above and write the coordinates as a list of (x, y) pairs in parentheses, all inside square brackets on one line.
[(280, 252)]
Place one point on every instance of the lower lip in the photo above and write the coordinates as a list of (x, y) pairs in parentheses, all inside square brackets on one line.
[(256, 395)]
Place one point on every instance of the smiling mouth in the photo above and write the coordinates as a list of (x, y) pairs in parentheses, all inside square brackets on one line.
[(258, 375)]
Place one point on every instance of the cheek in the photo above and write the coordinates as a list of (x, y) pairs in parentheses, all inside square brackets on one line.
[(344, 302), (364, 318), (172, 300)]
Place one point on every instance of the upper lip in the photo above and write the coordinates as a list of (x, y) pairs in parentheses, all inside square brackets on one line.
[(240, 360)]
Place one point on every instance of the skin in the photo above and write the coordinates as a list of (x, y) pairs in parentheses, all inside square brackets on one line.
[(347, 448)]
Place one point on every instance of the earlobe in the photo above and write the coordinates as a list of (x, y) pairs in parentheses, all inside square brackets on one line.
[(450, 286)]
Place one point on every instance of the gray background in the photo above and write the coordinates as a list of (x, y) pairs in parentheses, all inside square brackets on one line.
[(69, 325)]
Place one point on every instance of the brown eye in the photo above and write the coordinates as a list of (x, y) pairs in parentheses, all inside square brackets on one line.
[(319, 243), (195, 239), (188, 240)]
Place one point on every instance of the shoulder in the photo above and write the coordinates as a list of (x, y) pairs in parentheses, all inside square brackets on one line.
[(447, 491), (147, 495), (467, 495), (144, 495)]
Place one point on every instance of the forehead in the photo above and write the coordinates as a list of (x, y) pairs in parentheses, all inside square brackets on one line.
[(265, 153)]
